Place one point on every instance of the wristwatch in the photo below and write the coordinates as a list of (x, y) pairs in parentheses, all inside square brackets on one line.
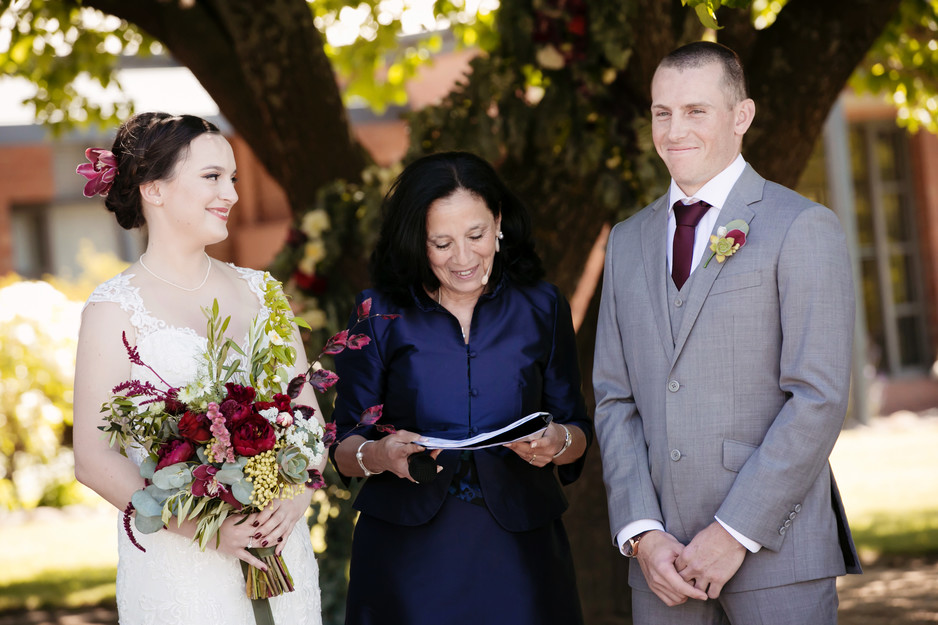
[(631, 548)]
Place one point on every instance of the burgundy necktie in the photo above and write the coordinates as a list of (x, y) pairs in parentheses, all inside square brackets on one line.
[(687, 217)]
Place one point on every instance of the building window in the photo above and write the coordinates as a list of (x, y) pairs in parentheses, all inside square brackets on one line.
[(47, 238), (890, 263)]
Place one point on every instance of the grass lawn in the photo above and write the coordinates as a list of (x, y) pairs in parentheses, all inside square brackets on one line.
[(887, 473), (58, 558), (888, 476)]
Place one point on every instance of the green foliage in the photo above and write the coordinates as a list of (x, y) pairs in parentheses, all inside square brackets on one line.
[(903, 65), (38, 335), (707, 9), (70, 52), (377, 66)]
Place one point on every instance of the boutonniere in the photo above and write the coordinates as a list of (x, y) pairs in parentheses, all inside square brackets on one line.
[(727, 240)]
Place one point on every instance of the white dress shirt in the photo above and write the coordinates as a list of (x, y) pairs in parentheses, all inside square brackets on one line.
[(713, 193)]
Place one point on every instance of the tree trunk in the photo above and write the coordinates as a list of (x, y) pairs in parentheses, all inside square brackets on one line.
[(264, 65)]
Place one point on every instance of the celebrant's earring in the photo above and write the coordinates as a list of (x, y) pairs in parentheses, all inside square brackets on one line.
[(498, 237)]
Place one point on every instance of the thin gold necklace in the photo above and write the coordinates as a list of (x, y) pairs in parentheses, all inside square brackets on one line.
[(183, 288), (439, 301)]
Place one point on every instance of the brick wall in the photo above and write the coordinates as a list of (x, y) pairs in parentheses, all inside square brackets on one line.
[(25, 178)]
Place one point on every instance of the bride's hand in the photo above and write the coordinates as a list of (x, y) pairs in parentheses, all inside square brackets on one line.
[(275, 522), (235, 536)]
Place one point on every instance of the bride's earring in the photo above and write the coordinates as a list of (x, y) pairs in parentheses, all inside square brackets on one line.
[(498, 237)]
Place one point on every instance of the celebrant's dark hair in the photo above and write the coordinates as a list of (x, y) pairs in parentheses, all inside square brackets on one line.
[(400, 263)]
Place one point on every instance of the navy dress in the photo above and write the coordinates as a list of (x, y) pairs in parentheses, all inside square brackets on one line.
[(483, 542)]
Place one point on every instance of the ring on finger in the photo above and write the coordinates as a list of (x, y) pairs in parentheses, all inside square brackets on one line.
[(250, 542), (533, 458)]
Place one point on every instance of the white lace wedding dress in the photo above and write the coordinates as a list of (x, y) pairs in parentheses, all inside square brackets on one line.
[(174, 582)]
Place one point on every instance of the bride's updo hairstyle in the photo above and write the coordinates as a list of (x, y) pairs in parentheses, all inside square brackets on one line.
[(147, 148)]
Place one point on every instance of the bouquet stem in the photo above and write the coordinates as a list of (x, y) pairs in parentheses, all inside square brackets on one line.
[(275, 581), (261, 585)]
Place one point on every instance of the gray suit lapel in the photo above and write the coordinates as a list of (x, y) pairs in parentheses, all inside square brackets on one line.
[(655, 261), (739, 205)]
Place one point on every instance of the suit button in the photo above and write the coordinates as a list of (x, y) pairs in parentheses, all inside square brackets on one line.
[(797, 507), (787, 523), (781, 530), (675, 454), (792, 515), (673, 386), (678, 302), (473, 354), (474, 392)]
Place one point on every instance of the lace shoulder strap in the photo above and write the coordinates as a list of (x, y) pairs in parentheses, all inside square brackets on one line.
[(118, 290), (257, 282)]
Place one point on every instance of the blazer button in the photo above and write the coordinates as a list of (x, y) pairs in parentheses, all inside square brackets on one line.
[(674, 386), (474, 392), (781, 530), (787, 523), (797, 507), (678, 302), (473, 354), (792, 515), (675, 454)]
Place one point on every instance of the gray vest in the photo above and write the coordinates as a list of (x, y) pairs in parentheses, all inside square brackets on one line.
[(677, 303)]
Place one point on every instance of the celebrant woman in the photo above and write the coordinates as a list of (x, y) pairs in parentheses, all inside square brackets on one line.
[(480, 342), (175, 175)]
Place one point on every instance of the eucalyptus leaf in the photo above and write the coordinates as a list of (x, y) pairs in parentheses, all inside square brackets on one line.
[(148, 524), (175, 476), (145, 504)]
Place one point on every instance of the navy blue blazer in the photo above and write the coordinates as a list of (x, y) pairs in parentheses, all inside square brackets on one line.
[(521, 358)]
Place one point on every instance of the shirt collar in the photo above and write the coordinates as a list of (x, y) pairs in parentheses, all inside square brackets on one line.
[(716, 190)]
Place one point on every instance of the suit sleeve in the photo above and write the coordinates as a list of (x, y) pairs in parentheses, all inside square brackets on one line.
[(619, 431), (816, 308)]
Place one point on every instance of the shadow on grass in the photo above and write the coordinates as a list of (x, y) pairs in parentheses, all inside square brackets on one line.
[(60, 588), (884, 536)]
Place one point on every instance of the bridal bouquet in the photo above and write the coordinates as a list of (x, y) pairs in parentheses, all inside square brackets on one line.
[(233, 439)]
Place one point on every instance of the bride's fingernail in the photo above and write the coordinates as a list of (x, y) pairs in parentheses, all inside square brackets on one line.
[(256, 523), (264, 544), (279, 540), (257, 535)]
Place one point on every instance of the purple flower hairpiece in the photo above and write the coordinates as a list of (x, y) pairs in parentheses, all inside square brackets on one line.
[(100, 172)]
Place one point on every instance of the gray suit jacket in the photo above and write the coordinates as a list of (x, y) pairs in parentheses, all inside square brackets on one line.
[(735, 418)]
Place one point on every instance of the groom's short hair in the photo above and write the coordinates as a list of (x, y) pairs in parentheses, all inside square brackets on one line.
[(700, 53)]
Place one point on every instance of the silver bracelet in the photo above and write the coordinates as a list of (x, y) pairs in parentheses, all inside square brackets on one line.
[(358, 456), (567, 439)]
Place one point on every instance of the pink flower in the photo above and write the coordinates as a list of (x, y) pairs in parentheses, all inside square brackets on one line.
[(221, 449), (100, 172)]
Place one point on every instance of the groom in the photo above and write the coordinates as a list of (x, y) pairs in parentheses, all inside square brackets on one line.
[(722, 377)]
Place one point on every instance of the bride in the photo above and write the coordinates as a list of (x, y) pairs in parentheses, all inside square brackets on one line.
[(176, 175)]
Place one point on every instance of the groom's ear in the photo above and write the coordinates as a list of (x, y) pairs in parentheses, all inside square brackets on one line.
[(743, 114)]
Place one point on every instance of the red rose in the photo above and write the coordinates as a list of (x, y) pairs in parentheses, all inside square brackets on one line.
[(195, 426), (241, 394), (174, 451), (253, 435)]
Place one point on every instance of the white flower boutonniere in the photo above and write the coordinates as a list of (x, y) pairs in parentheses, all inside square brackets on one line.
[(727, 240)]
